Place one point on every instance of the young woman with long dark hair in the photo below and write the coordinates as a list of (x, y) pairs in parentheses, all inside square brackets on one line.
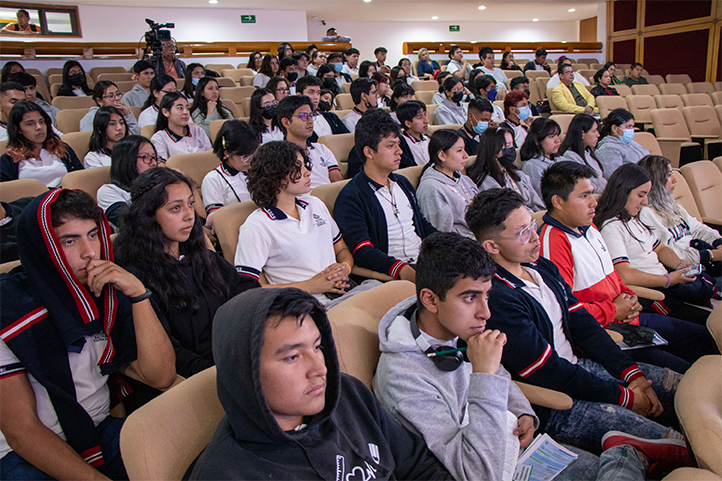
[(207, 105), (578, 146), (75, 82), (194, 73), (269, 69), (173, 135), (539, 150), (106, 93), (108, 128), (34, 150), (639, 257), (255, 60), (494, 167), (159, 86), (616, 145), (444, 193), (162, 242), (263, 116)]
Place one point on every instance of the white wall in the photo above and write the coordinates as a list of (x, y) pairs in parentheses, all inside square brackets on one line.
[(367, 36)]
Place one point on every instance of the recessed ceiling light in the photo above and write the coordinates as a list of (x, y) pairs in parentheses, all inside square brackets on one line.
[(434, 17), (482, 7), (367, 1), (570, 10), (534, 19), (213, 1)]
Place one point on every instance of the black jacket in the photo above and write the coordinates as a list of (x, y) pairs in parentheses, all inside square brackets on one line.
[(352, 437), (9, 169)]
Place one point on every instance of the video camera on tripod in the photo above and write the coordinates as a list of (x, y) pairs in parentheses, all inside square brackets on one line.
[(154, 39)]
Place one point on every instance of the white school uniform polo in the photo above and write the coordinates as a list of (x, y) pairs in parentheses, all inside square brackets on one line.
[(285, 249), (111, 194), (49, 169), (320, 125), (96, 159), (91, 387), (168, 143), (634, 244), (322, 162), (420, 148), (223, 186), (148, 116), (351, 119), (404, 242), (272, 136), (3, 131)]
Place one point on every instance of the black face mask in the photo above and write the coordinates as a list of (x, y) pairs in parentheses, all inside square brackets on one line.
[(508, 156), (330, 84), (269, 112), (292, 76), (324, 106), (457, 97), (526, 91), (77, 79)]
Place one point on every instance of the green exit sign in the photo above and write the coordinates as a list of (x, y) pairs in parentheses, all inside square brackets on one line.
[(248, 19), (454, 28)]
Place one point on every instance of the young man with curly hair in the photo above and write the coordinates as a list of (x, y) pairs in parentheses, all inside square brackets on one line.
[(294, 242)]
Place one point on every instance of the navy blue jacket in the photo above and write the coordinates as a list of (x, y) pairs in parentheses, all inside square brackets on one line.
[(9, 169), (363, 224), (529, 353)]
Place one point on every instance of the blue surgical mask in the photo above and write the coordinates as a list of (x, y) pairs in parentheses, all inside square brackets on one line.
[(338, 66), (524, 113), (194, 81), (627, 136), (480, 127), (491, 95)]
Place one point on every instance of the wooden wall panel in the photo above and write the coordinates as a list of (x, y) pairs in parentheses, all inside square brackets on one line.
[(658, 12), (684, 52), (625, 15)]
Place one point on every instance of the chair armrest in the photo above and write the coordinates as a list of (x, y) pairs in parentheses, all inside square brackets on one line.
[(369, 274), (672, 139), (544, 397), (647, 293), (616, 337)]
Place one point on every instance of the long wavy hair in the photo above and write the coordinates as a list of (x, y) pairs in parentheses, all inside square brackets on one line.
[(491, 142), (201, 103), (614, 198), (156, 85), (661, 201), (99, 137), (19, 148), (256, 118), (140, 246), (574, 140), (124, 160)]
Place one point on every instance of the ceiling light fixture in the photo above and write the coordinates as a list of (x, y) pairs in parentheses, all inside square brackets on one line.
[(482, 7), (434, 17), (367, 1), (534, 19), (570, 10), (213, 2)]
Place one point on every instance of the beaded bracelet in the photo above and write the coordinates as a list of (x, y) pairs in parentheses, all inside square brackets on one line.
[(669, 281)]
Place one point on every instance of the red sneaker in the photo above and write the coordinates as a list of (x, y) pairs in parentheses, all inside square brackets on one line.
[(664, 454)]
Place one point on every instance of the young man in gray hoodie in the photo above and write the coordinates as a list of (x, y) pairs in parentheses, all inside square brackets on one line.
[(460, 403)]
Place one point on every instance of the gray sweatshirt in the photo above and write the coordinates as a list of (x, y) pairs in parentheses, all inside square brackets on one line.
[(612, 153), (136, 97), (599, 182), (461, 415), (449, 113), (86, 123), (444, 200), (532, 200), (535, 168)]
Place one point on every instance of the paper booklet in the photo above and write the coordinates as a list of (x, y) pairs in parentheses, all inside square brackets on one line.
[(657, 341), (543, 460)]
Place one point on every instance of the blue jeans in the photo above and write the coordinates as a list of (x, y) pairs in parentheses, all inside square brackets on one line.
[(13, 467), (620, 463), (587, 422), (687, 343)]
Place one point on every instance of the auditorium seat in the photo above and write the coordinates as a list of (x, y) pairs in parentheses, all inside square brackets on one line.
[(412, 174), (563, 120), (434, 128), (579, 66), (235, 94), (147, 131), (705, 182), (160, 440), (430, 108), (673, 135), (3, 146), (645, 90), (718, 162), (54, 71), (87, 180), (233, 107), (78, 141), (704, 125), (683, 195), (114, 76), (73, 102), (339, 144), (245, 106), (195, 165), (669, 102), (234, 73), (219, 67), (344, 101), (68, 120), (607, 103), (623, 90), (718, 86), (541, 85), (346, 88), (215, 127), (587, 74), (640, 106), (226, 223), (425, 96), (125, 86), (697, 99), (655, 79), (513, 73), (226, 82), (700, 88), (329, 192), (535, 74), (716, 97), (672, 89), (714, 325), (425, 85), (247, 72), (17, 189), (678, 78), (96, 72), (648, 141), (691, 474), (718, 109)]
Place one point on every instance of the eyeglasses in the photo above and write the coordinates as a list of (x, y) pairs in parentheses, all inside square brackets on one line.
[(115, 96), (168, 91), (525, 235), (304, 116), (269, 104), (283, 90), (151, 159)]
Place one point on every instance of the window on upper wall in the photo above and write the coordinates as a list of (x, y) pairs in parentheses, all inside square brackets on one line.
[(26, 20)]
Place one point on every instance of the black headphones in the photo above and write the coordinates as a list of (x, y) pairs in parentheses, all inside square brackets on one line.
[(446, 362)]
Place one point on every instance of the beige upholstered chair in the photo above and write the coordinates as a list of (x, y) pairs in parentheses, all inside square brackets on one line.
[(705, 182), (73, 102), (714, 325), (195, 165), (17, 189), (78, 141), (683, 196), (68, 120), (88, 180), (227, 221), (160, 440)]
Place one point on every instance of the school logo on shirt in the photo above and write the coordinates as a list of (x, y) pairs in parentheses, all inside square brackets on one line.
[(325, 163), (601, 245), (318, 221), (357, 473)]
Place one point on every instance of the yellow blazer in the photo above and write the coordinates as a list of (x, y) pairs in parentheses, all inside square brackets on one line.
[(564, 100)]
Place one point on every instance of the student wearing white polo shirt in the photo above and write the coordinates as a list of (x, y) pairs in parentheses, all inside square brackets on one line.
[(486, 55), (263, 116), (226, 184), (173, 135), (108, 128), (159, 86), (294, 242), (295, 118), (364, 95), (415, 124), (324, 123)]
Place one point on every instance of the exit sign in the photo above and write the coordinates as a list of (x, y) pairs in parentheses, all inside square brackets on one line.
[(248, 19), (454, 28)]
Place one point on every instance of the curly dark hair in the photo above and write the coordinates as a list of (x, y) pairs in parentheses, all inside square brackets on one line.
[(140, 246), (272, 166)]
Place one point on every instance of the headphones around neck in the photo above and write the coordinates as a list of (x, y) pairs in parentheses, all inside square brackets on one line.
[(446, 362)]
